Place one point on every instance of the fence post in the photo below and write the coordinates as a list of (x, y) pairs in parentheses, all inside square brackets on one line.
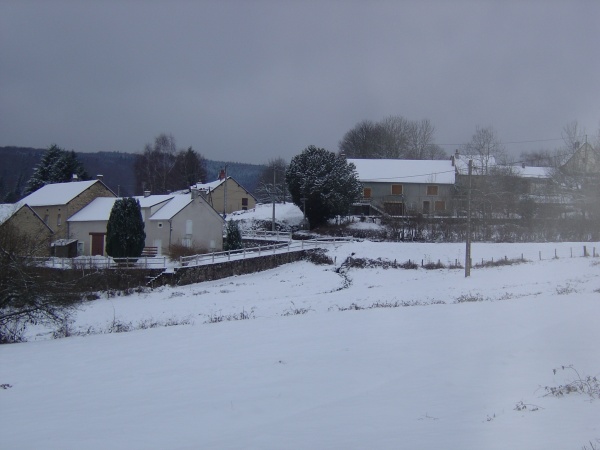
[(555, 254), (585, 253), (164, 262), (540, 255), (213, 256), (571, 252)]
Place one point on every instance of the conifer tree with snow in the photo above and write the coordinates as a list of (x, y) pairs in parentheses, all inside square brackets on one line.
[(323, 181), (125, 235), (233, 236), (57, 166)]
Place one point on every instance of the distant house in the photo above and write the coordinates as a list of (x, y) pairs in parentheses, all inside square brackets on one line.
[(186, 220), (400, 187), (226, 195), (55, 203), (25, 221), (584, 161)]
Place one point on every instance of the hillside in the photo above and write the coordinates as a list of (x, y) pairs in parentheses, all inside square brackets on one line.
[(324, 357), (18, 164)]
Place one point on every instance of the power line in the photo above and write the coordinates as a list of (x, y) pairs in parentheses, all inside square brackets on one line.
[(411, 176), (508, 142)]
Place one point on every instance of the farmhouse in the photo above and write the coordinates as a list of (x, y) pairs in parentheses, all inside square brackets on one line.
[(400, 187), (226, 195), (55, 203), (186, 220), (22, 220)]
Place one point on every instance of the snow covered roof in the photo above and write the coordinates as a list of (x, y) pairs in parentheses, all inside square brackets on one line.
[(404, 170), (153, 200), (209, 186), (57, 193), (532, 172), (7, 210), (176, 204), (99, 209)]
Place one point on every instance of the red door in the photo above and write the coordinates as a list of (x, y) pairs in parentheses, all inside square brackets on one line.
[(97, 243)]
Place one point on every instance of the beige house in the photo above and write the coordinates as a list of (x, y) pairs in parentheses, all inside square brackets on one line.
[(226, 195), (17, 220), (186, 220), (55, 203)]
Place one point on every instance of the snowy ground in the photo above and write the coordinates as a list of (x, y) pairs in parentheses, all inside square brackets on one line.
[(435, 375)]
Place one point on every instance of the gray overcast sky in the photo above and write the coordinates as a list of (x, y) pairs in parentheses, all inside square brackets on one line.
[(252, 80)]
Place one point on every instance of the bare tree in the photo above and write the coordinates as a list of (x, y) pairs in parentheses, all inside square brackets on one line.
[(395, 137), (29, 294), (161, 168), (485, 147), (572, 136), (420, 137), (271, 184), (190, 168)]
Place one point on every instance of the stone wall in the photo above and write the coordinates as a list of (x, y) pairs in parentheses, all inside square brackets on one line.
[(198, 274)]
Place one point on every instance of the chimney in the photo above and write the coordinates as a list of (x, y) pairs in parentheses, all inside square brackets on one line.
[(222, 175), (100, 177), (146, 193), (194, 192), (74, 177)]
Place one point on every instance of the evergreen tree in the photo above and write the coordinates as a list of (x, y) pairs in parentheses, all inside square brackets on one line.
[(324, 182), (125, 235), (233, 236), (57, 166)]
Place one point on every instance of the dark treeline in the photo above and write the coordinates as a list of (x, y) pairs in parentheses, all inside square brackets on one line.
[(18, 163)]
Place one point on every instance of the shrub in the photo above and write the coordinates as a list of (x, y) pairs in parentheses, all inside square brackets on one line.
[(176, 251), (233, 236), (587, 385), (125, 235)]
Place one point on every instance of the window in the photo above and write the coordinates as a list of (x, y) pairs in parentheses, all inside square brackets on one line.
[(425, 207), (394, 208), (367, 192), (159, 224), (244, 203), (58, 220), (439, 206), (432, 189), (188, 227), (46, 218), (396, 189)]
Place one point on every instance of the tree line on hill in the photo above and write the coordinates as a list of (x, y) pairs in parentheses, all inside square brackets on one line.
[(118, 170)]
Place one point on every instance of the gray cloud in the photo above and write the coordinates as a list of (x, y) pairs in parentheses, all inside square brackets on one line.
[(253, 80)]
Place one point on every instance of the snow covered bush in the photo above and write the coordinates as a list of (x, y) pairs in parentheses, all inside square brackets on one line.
[(323, 183), (233, 236)]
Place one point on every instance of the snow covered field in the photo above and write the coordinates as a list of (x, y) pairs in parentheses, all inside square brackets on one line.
[(317, 366)]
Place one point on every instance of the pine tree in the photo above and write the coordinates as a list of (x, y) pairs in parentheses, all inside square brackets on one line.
[(57, 166), (233, 236), (125, 235), (324, 182)]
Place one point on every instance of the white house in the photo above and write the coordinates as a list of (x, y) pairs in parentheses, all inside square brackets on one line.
[(169, 219)]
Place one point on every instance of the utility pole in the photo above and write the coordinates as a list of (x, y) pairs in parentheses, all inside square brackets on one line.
[(225, 194), (468, 249), (273, 198)]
